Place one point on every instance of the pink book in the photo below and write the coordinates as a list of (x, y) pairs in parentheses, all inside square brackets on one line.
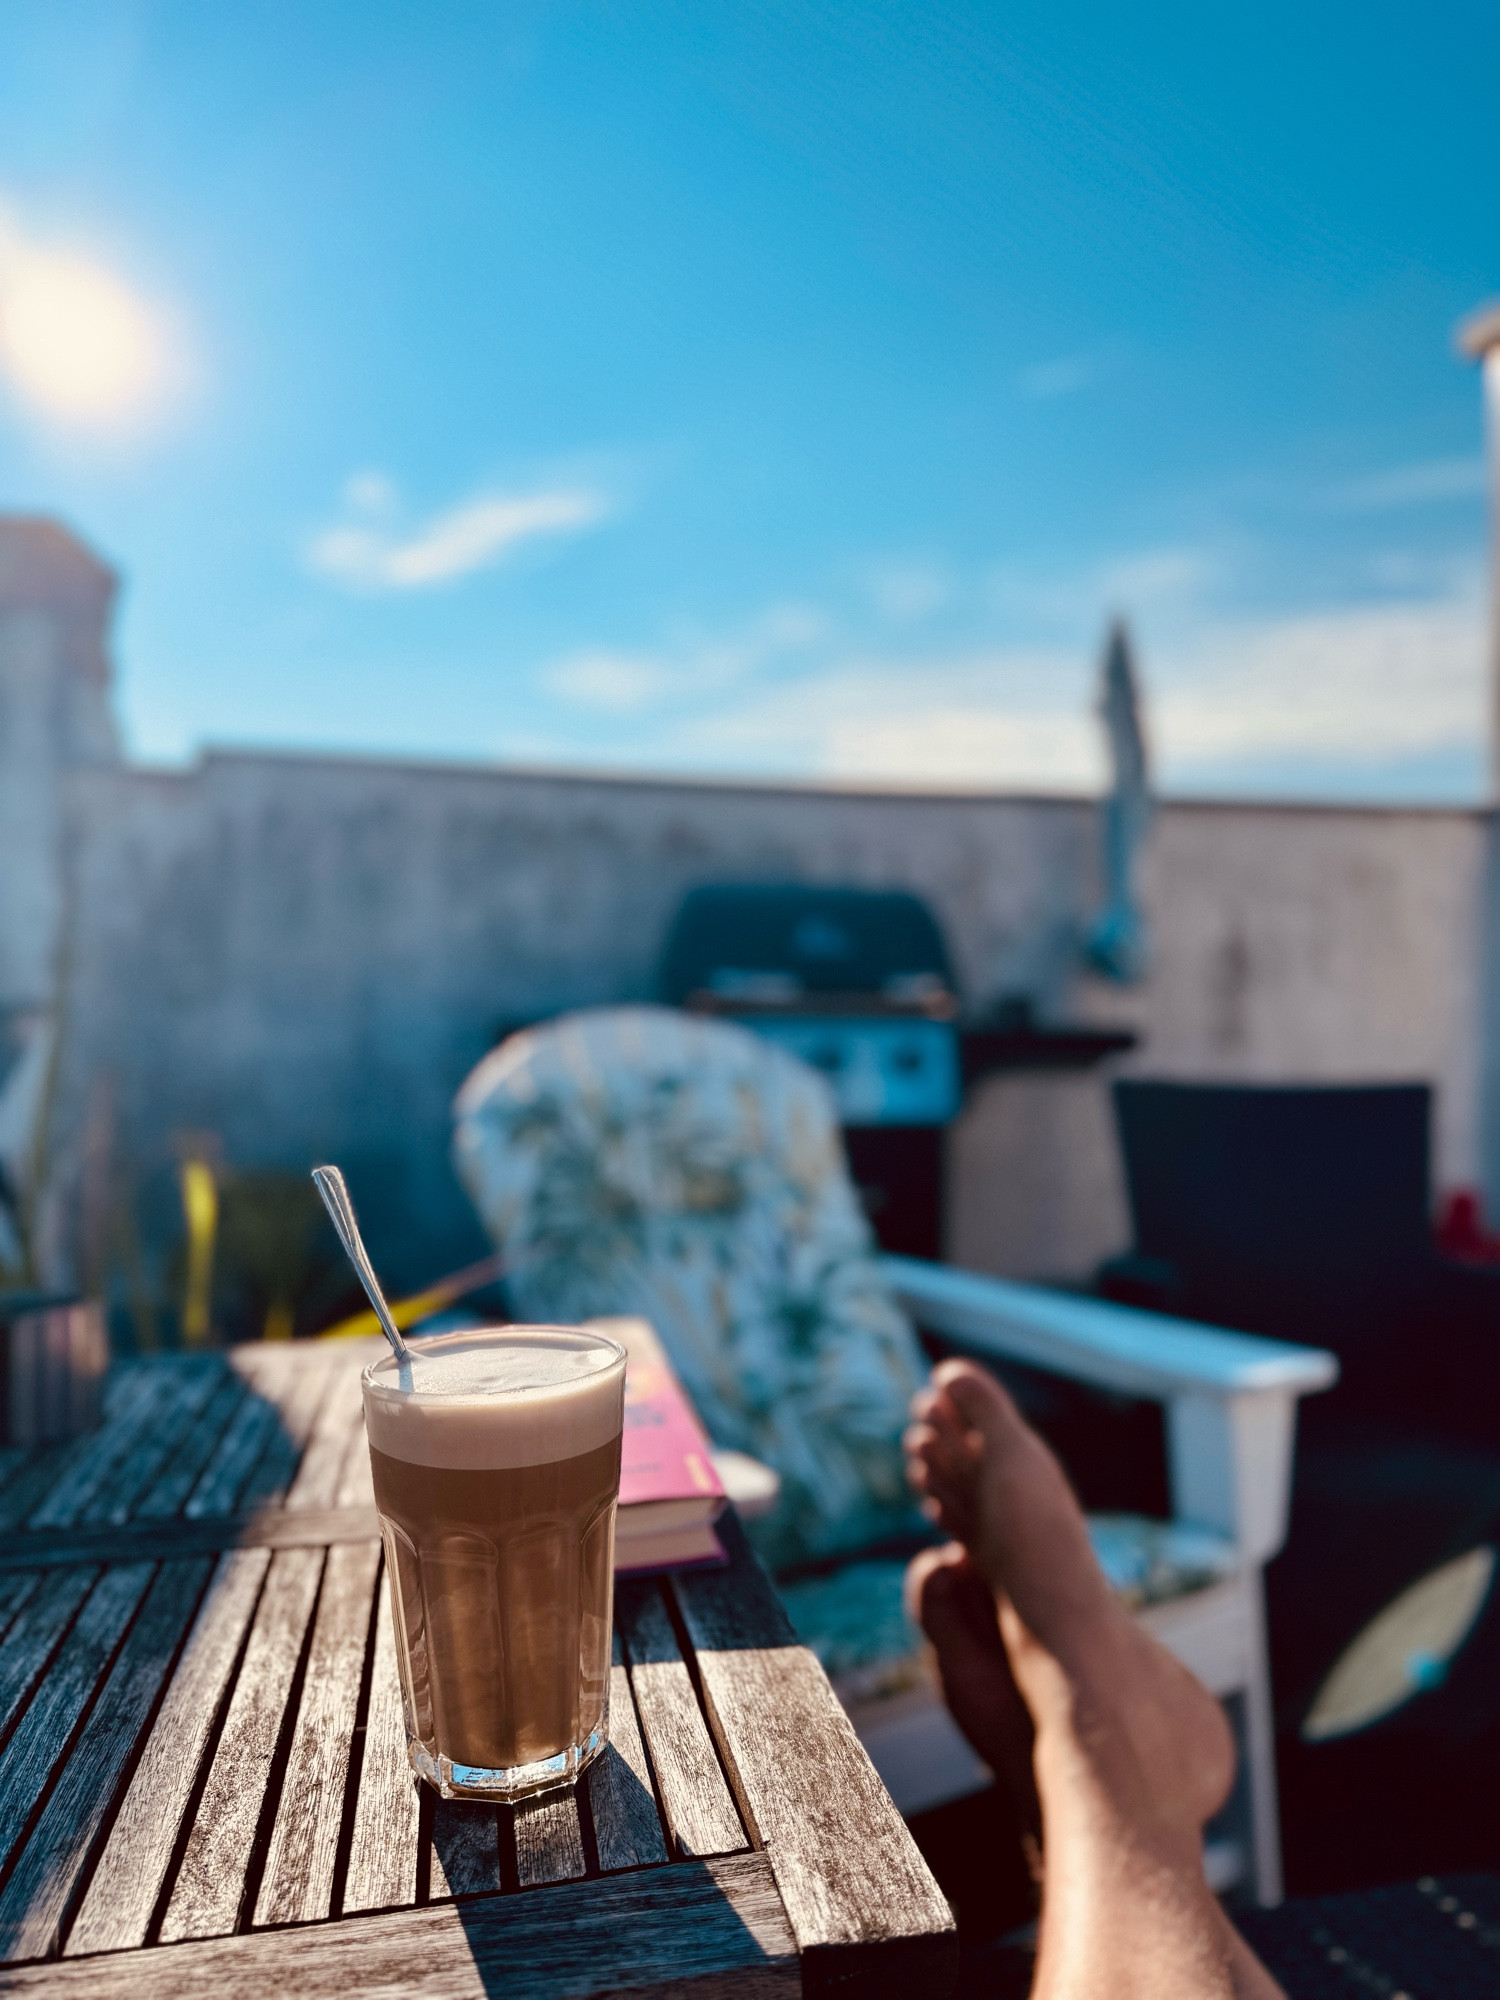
[(670, 1494)]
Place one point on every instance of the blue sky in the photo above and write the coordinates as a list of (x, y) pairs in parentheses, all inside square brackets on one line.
[(777, 389)]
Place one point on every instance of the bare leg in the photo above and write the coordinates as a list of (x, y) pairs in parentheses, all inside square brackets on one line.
[(1130, 1755)]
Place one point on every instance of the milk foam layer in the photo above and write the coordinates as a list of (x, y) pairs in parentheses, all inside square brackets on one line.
[(494, 1398)]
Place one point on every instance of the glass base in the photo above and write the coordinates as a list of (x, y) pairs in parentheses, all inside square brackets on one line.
[(506, 1782)]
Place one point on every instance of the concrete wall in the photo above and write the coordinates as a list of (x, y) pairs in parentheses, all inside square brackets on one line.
[(305, 956)]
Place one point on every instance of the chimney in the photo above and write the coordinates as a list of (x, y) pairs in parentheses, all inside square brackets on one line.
[(55, 604)]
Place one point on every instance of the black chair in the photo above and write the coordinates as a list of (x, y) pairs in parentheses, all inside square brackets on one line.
[(1305, 1214)]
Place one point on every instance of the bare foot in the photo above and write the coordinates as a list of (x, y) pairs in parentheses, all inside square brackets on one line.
[(948, 1597), (1101, 1692), (1131, 1755)]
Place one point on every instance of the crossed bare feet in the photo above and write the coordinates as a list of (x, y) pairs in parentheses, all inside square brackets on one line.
[(1115, 1753)]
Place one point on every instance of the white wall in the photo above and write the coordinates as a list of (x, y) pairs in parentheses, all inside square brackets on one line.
[(1290, 944)]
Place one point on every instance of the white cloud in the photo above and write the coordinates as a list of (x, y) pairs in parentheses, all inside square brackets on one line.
[(787, 627), (907, 592), (473, 536), (1352, 686), (1168, 582), (1167, 578), (599, 678), (1063, 377), (1004, 718), (993, 718), (969, 746), (1433, 480), (371, 492), (694, 665), (1360, 683)]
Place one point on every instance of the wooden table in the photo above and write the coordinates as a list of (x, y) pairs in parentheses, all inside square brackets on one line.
[(203, 1775)]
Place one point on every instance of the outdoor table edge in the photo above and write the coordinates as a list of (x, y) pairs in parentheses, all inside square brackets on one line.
[(719, 1924)]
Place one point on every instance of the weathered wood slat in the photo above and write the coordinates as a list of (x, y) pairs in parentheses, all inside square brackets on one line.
[(33, 1481), (35, 1636), (151, 1408), (272, 1366), (549, 1840), (167, 1541), (715, 1931), (48, 1467), (210, 1883), (197, 1380), (700, 1812), (15, 1589), (220, 1483), (145, 1403), (383, 1855), (168, 1491), (861, 1900), (122, 1896), (356, 1483), (627, 1825), (465, 1849), (45, 1731), (298, 1883), (298, 1404), (55, 1854), (280, 1382), (338, 1424)]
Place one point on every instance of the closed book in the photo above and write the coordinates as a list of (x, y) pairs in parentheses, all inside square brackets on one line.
[(670, 1494), (666, 1548)]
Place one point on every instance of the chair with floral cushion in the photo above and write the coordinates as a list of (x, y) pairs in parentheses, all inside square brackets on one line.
[(636, 1160)]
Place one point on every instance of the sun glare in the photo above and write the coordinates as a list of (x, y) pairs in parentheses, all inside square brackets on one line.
[(74, 341)]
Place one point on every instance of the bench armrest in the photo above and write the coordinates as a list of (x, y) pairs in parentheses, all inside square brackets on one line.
[(1231, 1398)]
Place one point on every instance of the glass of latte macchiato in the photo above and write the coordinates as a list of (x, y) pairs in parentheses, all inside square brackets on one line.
[(496, 1457)]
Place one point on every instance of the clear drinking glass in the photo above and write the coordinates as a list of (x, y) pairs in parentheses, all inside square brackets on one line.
[(496, 1458)]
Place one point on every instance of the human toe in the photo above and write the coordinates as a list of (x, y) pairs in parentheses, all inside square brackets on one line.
[(947, 1506), (947, 1596), (951, 1453), (970, 1399), (928, 1584)]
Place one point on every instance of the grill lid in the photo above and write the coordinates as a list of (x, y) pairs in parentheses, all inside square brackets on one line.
[(789, 948)]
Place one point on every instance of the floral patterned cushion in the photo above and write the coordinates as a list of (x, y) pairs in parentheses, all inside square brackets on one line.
[(855, 1617), (638, 1160)]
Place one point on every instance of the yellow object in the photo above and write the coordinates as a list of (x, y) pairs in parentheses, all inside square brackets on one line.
[(421, 1305), (200, 1207), (280, 1320)]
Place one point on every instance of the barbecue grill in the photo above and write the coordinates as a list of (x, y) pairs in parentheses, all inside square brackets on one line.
[(859, 983)]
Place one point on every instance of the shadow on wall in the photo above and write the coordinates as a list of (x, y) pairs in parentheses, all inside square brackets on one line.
[(1036, 1185)]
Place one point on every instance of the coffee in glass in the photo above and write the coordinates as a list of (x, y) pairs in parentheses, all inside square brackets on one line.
[(496, 1458)]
